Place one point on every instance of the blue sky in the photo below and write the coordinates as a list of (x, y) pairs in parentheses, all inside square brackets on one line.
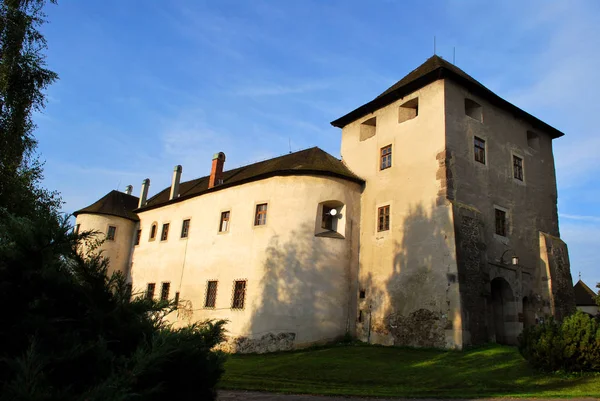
[(145, 85)]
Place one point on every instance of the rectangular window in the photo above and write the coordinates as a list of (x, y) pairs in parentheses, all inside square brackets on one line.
[(185, 228), (165, 232), (224, 223), (110, 235), (501, 227), (150, 291), (383, 218), (479, 146), (164, 291), (261, 215), (76, 230), (138, 236), (386, 157), (211, 294), (327, 219), (518, 168), (239, 292)]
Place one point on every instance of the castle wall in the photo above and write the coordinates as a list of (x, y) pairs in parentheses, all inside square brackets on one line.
[(530, 206), (118, 251), (300, 288), (408, 273)]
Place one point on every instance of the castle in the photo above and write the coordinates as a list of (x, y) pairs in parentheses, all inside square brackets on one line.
[(438, 228)]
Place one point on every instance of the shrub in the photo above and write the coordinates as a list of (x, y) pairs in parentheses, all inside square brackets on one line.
[(573, 345)]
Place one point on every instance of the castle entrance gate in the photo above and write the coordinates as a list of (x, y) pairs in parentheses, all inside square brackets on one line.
[(504, 312)]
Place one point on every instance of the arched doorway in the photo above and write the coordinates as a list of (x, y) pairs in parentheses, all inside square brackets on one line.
[(503, 309)]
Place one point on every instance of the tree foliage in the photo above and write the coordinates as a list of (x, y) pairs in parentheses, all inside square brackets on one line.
[(23, 79), (70, 332)]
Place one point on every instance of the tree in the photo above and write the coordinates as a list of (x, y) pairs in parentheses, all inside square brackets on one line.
[(23, 79)]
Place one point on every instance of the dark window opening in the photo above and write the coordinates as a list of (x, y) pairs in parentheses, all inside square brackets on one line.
[(383, 218), (533, 140), (386, 157), (165, 232), (408, 110), (177, 300), (150, 291), (327, 219), (153, 232), (164, 292), (362, 294), (261, 215), (211, 294), (360, 316), (185, 228), (479, 146), (368, 128), (110, 235), (501, 226), (518, 168), (239, 292), (473, 110)]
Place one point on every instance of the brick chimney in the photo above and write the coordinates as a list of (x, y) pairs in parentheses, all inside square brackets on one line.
[(216, 172), (175, 182)]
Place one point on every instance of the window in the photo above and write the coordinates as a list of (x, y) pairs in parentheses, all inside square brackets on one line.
[(239, 292), (224, 223), (408, 110), (386, 157), (164, 291), (327, 220), (367, 129), (153, 232), (362, 294), (185, 228), (533, 140), (165, 232), (211, 294), (150, 291), (501, 228), (76, 230), (138, 236), (110, 235), (473, 110), (383, 218), (479, 146), (518, 168), (261, 215)]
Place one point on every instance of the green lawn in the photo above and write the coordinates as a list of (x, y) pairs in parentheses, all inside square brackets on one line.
[(363, 370)]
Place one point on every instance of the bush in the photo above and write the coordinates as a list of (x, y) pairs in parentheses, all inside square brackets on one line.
[(572, 346), (69, 332)]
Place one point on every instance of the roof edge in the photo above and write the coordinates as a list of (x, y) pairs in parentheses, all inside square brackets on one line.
[(441, 73), (78, 212), (282, 173)]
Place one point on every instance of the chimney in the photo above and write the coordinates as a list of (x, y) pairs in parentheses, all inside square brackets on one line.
[(175, 182), (129, 189), (144, 193), (216, 172)]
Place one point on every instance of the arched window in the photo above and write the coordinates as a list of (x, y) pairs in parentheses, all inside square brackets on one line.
[(153, 231)]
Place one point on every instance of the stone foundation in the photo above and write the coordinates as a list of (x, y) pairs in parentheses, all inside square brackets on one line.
[(269, 342)]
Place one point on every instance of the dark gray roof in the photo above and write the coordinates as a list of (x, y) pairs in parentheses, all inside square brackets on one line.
[(114, 203), (431, 70), (584, 295), (313, 161)]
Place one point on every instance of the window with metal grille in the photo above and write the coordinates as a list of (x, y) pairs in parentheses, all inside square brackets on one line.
[(165, 232), (327, 219), (261, 215), (518, 168), (138, 236), (153, 232), (383, 218), (224, 223), (211, 294), (501, 226), (386, 157), (239, 292), (150, 291), (164, 291), (479, 146), (185, 228), (110, 235)]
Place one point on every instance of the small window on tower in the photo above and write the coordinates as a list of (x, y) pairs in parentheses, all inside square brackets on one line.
[(408, 110), (224, 223), (501, 226), (165, 232), (368, 128), (260, 218), (185, 228), (110, 235), (153, 232), (385, 157), (533, 140), (473, 110), (517, 168), (479, 149)]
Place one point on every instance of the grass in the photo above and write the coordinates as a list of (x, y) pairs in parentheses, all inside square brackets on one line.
[(363, 370)]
